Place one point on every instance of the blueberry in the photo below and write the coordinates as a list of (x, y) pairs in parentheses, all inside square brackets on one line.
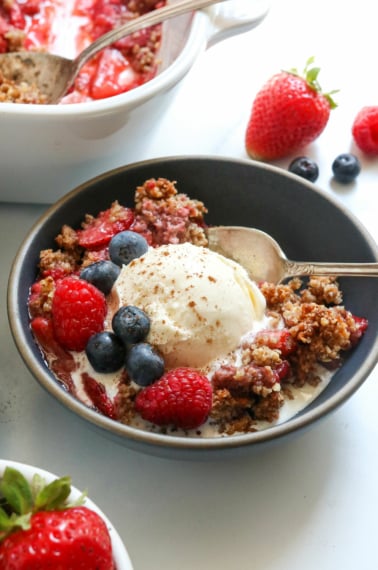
[(144, 364), (106, 352), (126, 246), (101, 274), (131, 324), (305, 167), (346, 167)]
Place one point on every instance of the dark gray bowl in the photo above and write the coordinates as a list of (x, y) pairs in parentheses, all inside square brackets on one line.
[(306, 223)]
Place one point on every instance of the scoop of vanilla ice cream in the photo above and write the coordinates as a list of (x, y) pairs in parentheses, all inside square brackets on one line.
[(200, 303)]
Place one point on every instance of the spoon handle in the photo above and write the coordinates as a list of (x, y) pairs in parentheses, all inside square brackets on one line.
[(296, 268), (149, 19)]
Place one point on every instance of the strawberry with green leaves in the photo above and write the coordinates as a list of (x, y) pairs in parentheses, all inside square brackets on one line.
[(288, 113), (39, 529)]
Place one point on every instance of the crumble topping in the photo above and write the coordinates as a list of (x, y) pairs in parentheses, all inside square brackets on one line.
[(13, 92)]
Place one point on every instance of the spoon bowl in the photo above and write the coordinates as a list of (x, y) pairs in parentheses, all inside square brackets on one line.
[(264, 259), (52, 75)]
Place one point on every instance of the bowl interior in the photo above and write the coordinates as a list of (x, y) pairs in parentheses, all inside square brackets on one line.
[(306, 223)]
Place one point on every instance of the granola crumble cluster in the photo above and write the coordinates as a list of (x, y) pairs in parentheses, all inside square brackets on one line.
[(162, 215), (320, 330), (13, 92), (308, 328)]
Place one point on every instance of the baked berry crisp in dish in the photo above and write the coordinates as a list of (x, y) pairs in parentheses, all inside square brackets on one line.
[(66, 28), (143, 323)]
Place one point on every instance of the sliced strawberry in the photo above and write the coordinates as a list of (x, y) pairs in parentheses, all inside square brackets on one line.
[(84, 80), (332, 365), (60, 360), (16, 17), (114, 75), (361, 326), (279, 339), (39, 22), (97, 393), (98, 233), (3, 41), (31, 7), (56, 273), (94, 255), (283, 370), (43, 330)]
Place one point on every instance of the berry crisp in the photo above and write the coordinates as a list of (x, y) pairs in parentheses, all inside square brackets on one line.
[(102, 354), (31, 26)]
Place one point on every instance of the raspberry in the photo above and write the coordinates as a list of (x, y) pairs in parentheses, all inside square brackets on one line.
[(181, 397), (78, 312), (365, 130)]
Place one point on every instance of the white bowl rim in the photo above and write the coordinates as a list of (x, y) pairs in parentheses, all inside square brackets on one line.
[(120, 554), (45, 377)]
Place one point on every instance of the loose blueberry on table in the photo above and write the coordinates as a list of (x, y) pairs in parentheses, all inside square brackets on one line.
[(305, 167), (346, 167)]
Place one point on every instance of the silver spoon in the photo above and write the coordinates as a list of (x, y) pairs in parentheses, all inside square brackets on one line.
[(264, 260), (53, 75)]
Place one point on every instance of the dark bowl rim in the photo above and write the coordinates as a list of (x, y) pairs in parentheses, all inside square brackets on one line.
[(135, 435)]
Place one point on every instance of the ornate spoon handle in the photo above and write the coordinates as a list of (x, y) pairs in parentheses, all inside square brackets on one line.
[(293, 268)]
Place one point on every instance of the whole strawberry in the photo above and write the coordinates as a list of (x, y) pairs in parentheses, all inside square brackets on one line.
[(288, 113), (181, 397), (78, 311), (365, 130), (40, 531)]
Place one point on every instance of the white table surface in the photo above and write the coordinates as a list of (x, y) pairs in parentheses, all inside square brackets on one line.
[(310, 503)]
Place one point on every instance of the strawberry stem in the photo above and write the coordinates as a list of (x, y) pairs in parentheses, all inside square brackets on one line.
[(19, 499), (16, 491), (310, 75), (53, 496)]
